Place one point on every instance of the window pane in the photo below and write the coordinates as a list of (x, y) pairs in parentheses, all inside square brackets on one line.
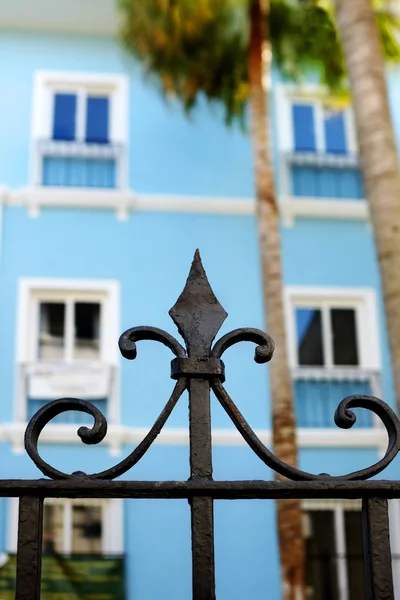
[(51, 330), (345, 350), (355, 555), (309, 337), (335, 133), (87, 530), (87, 334), (97, 120), (64, 117), (53, 528), (321, 570), (304, 128)]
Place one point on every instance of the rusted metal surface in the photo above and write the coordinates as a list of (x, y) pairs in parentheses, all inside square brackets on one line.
[(198, 368), (378, 558)]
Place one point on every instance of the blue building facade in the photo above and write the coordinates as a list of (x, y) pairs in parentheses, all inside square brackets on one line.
[(106, 191)]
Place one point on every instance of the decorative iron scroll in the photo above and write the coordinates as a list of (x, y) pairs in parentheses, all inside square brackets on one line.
[(199, 316)]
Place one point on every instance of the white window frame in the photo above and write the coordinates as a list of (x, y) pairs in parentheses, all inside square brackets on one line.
[(31, 291), (338, 507), (362, 300), (47, 83), (112, 511), (286, 96)]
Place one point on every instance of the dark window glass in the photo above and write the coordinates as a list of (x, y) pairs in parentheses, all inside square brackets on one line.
[(87, 530), (321, 569), (97, 119), (355, 555), (87, 334), (309, 337), (52, 330), (344, 336), (64, 117)]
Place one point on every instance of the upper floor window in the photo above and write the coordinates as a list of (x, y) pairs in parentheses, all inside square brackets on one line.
[(327, 336), (317, 146), (317, 128), (79, 130), (70, 349), (81, 116), (333, 349), (69, 329)]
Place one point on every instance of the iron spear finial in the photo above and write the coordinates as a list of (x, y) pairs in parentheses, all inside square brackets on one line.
[(197, 313)]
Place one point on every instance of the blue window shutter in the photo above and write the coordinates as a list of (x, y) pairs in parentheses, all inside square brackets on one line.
[(304, 128), (64, 117), (335, 132), (97, 118)]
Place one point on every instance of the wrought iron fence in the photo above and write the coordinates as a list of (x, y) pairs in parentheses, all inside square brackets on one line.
[(199, 369)]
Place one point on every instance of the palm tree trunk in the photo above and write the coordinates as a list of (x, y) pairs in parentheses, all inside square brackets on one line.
[(289, 516), (365, 65)]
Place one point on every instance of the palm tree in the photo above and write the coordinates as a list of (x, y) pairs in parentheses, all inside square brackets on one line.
[(221, 49), (362, 47)]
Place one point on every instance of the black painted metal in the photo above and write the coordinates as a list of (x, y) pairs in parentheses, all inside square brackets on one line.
[(198, 368)]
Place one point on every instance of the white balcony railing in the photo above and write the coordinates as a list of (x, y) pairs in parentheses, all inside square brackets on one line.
[(41, 382), (318, 392)]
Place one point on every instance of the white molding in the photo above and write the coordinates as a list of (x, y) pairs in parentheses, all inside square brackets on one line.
[(321, 208), (118, 436), (195, 204), (364, 300), (127, 201), (124, 201)]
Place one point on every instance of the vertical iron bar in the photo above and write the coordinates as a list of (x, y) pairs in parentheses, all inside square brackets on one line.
[(377, 554), (202, 510), (29, 553)]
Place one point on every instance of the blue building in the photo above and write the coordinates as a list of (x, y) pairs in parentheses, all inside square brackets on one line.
[(106, 191)]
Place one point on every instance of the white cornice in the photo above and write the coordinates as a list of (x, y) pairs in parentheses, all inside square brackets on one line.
[(126, 201), (322, 208), (119, 436), (89, 17)]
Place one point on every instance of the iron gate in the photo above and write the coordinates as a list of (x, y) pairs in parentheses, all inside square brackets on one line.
[(199, 369)]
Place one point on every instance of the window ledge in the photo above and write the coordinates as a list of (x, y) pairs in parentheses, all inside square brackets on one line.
[(119, 435), (293, 207), (76, 149), (323, 159)]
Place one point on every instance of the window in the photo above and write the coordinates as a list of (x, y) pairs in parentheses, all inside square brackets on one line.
[(92, 122), (333, 350), (326, 336), (316, 128), (71, 348), (332, 328), (72, 528), (79, 130), (334, 550), (69, 330), (76, 527)]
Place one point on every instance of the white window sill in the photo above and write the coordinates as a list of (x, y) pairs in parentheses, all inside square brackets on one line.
[(323, 159), (76, 149)]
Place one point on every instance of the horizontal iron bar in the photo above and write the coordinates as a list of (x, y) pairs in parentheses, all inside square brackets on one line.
[(218, 490)]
